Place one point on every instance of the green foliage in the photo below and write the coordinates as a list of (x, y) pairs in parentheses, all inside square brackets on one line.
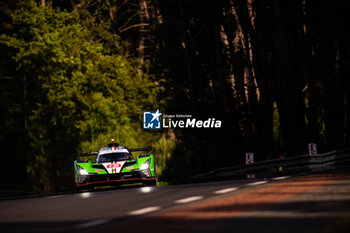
[(83, 90), (163, 149), (277, 133)]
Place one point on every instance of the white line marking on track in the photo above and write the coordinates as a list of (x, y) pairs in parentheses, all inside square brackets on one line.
[(92, 223), (227, 190), (53, 197), (144, 210), (281, 178), (257, 183), (188, 199)]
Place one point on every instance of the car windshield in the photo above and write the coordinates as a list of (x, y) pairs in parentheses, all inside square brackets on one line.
[(111, 157)]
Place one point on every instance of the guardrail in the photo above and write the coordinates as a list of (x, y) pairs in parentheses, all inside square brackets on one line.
[(295, 164)]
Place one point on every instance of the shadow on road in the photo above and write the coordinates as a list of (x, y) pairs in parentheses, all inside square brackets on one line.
[(313, 204)]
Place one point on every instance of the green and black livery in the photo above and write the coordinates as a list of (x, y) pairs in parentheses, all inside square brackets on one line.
[(115, 165)]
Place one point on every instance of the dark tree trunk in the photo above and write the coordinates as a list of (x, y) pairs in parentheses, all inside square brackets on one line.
[(142, 32), (312, 77), (261, 47), (332, 87), (290, 104)]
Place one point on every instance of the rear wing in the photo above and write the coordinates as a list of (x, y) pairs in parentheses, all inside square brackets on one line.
[(87, 154), (140, 149), (81, 159), (130, 150)]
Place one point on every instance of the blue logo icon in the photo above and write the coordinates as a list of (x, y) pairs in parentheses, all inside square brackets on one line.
[(151, 120)]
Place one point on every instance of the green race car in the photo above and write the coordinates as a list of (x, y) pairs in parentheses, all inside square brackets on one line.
[(115, 165)]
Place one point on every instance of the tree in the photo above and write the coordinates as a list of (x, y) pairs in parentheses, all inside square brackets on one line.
[(80, 87)]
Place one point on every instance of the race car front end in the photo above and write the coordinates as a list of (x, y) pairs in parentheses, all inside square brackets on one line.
[(141, 170)]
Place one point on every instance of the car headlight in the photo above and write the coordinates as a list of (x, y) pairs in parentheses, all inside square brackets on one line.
[(82, 171), (145, 165)]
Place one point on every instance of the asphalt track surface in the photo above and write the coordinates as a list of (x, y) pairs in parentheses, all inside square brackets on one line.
[(304, 203)]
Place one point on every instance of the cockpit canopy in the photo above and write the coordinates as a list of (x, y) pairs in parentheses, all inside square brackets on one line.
[(113, 157), (113, 154)]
